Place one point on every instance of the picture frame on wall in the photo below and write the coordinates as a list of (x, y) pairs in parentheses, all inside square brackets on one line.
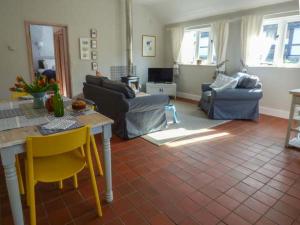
[(93, 33), (85, 48), (149, 46), (93, 44), (94, 66), (94, 55)]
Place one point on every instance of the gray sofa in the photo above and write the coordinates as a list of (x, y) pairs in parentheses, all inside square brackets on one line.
[(229, 104), (133, 116)]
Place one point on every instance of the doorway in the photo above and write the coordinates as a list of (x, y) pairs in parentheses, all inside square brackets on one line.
[(48, 53)]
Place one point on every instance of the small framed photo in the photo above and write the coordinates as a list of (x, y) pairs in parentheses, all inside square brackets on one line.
[(149, 46), (94, 55), (93, 44), (94, 66), (93, 33), (85, 48)]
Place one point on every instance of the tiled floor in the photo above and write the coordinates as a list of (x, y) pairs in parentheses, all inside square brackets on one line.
[(240, 173)]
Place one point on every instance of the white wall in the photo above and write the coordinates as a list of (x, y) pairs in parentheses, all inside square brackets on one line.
[(80, 16), (276, 81), (146, 24)]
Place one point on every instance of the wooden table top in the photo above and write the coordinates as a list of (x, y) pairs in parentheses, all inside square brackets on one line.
[(18, 136)]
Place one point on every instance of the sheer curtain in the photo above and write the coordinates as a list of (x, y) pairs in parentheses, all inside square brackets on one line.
[(250, 31), (176, 41), (220, 31)]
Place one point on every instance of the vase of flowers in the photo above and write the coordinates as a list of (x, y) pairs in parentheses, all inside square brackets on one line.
[(37, 89)]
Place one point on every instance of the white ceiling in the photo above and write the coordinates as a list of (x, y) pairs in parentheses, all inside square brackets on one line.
[(173, 11)]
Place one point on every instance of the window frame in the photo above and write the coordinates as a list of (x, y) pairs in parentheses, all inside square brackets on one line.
[(209, 61), (282, 30)]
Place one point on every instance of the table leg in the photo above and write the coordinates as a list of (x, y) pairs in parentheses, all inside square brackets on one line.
[(106, 136), (8, 161)]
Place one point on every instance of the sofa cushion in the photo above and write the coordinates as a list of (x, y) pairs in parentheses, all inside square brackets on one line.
[(247, 81), (119, 87), (90, 79), (224, 82)]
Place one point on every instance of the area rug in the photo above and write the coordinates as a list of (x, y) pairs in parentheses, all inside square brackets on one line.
[(192, 121)]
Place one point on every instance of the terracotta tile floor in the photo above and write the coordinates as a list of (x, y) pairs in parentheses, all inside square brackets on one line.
[(239, 173)]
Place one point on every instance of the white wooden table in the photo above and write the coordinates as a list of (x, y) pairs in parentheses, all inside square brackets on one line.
[(12, 142)]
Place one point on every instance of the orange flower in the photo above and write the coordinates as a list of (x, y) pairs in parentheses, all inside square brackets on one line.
[(18, 85), (41, 83), (52, 81), (19, 78)]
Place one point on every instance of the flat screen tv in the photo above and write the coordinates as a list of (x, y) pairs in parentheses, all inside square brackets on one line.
[(160, 75)]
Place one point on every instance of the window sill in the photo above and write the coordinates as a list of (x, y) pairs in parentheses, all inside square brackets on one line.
[(276, 66), (209, 65)]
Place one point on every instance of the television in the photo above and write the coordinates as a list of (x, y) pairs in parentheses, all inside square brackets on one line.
[(160, 75)]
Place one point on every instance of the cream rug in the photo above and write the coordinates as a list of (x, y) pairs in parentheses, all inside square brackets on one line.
[(192, 121)]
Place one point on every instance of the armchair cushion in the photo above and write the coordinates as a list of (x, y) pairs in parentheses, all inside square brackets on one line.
[(247, 81), (223, 82), (119, 87), (90, 79)]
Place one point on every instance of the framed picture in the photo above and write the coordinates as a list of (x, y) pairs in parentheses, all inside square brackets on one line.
[(149, 46), (93, 33), (85, 48), (94, 55), (94, 66), (93, 44)]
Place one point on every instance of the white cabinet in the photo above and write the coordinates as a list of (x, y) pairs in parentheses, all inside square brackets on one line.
[(161, 88)]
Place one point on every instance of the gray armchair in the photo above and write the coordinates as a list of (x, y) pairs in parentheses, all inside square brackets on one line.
[(230, 104)]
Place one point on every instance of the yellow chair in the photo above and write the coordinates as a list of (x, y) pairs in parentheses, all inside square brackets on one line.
[(94, 146), (14, 95), (48, 161)]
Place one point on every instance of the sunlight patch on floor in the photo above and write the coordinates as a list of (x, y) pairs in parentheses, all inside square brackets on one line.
[(197, 139), (176, 133)]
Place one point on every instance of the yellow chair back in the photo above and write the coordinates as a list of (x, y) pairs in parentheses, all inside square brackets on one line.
[(59, 143), (14, 95)]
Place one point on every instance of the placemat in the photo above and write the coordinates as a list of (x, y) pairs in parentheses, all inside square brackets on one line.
[(44, 131), (8, 113)]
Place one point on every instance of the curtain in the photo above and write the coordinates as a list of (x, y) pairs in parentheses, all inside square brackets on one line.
[(176, 40), (250, 31), (177, 34), (220, 31)]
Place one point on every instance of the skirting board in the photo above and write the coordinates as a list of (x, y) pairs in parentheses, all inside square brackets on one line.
[(188, 96), (263, 110), (274, 112)]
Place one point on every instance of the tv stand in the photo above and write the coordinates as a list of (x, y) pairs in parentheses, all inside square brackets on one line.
[(161, 88)]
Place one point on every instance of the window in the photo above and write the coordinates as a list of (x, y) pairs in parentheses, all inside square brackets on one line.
[(197, 45), (280, 44)]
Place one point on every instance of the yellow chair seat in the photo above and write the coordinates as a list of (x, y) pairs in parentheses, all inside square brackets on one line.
[(58, 167)]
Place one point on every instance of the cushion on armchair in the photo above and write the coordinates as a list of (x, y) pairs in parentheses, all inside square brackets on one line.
[(247, 81), (224, 82), (98, 81), (119, 87)]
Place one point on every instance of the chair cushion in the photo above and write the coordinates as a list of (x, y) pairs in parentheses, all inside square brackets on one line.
[(224, 82), (119, 87), (247, 81), (90, 79)]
